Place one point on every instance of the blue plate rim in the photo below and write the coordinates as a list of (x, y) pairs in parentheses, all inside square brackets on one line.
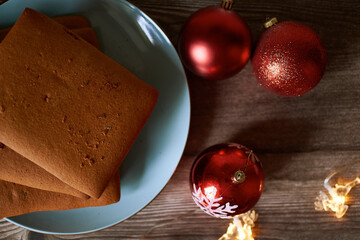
[(182, 152)]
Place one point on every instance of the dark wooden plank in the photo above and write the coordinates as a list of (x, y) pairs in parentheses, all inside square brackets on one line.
[(299, 140), (286, 208), (238, 109), (11, 231)]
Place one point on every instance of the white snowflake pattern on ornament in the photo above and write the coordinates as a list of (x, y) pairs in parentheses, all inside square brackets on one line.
[(209, 204)]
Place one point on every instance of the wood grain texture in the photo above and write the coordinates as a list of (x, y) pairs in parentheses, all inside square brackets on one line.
[(299, 140)]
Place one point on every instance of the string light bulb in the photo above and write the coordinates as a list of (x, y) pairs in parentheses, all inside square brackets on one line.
[(335, 199), (241, 227)]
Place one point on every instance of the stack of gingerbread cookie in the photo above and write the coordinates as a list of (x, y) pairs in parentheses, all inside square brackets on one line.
[(68, 116)]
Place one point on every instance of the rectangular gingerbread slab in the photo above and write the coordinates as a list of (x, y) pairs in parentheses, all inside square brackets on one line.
[(17, 169), (65, 105), (71, 22), (87, 33), (17, 199)]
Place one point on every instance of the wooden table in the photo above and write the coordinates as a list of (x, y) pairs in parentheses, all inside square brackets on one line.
[(299, 140)]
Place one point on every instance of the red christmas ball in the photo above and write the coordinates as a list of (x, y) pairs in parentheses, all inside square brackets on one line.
[(226, 180), (289, 59), (215, 43)]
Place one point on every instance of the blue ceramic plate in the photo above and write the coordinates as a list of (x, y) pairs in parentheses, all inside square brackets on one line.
[(131, 38)]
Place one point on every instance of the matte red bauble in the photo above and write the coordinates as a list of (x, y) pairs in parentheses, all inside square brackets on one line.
[(289, 59), (226, 180), (215, 43)]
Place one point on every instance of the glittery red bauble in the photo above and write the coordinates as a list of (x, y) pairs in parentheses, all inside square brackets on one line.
[(215, 43), (214, 185), (289, 59)]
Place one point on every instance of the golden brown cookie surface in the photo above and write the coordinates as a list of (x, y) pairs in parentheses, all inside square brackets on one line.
[(69, 108)]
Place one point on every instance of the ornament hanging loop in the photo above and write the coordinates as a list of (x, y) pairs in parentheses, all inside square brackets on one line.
[(226, 4), (270, 22)]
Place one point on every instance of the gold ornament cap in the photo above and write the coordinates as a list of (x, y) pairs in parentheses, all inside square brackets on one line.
[(271, 22), (239, 177), (227, 4)]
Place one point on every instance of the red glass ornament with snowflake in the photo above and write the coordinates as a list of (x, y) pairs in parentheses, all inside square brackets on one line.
[(226, 180), (215, 42), (289, 59)]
